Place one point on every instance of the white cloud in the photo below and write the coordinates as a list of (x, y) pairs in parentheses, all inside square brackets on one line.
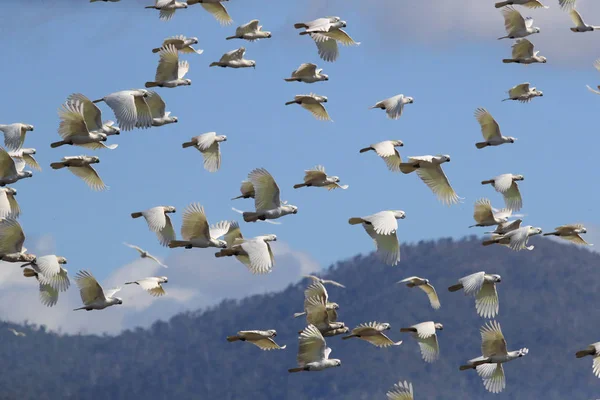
[(454, 22), (196, 280)]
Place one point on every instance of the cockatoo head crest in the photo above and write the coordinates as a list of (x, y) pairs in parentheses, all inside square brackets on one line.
[(336, 362), (334, 306), (439, 326), (496, 278), (187, 82), (442, 158), (410, 100), (94, 160), (118, 300), (194, 40), (169, 209), (221, 138), (335, 179), (252, 63), (29, 128), (61, 260), (511, 139), (272, 332), (518, 178), (163, 279)]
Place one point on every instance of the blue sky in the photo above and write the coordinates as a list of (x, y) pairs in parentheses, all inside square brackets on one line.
[(450, 66)]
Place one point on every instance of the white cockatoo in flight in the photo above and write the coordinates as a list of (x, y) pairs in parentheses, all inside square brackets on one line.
[(313, 353), (516, 25), (483, 287), (382, 227), (494, 353)]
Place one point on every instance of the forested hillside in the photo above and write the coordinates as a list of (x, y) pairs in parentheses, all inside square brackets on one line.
[(548, 302)]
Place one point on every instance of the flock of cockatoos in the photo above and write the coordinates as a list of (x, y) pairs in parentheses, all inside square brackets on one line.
[(81, 125)]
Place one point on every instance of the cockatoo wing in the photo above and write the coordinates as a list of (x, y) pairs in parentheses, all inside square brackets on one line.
[(32, 162), (166, 234), (123, 105), (306, 69), (139, 250), (91, 112), (14, 206), (89, 288), (204, 141), (48, 295), (492, 340), (248, 27), (194, 223), (316, 311), (430, 349), (72, 121), (513, 20), (156, 218), (233, 233), (576, 18), (489, 127), (316, 289), (401, 391), (232, 55), (166, 14), (503, 182), (89, 176), (267, 344), (258, 253), (111, 292), (425, 329), (492, 376), (435, 178), (341, 36), (316, 174), (168, 64), (266, 190), (383, 222), (431, 294), (380, 340), (12, 237), (218, 11), (567, 4), (519, 90), (473, 283), (388, 248), (7, 164), (327, 47), (317, 110), (512, 198), (144, 116), (183, 69), (52, 273), (312, 346), (219, 229), (6, 210), (152, 286), (483, 211), (156, 104), (486, 300), (522, 49), (212, 157)]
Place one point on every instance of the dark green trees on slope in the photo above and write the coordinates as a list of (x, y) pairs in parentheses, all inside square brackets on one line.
[(549, 301)]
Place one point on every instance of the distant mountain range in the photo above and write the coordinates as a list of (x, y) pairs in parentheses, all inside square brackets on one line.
[(549, 301)]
